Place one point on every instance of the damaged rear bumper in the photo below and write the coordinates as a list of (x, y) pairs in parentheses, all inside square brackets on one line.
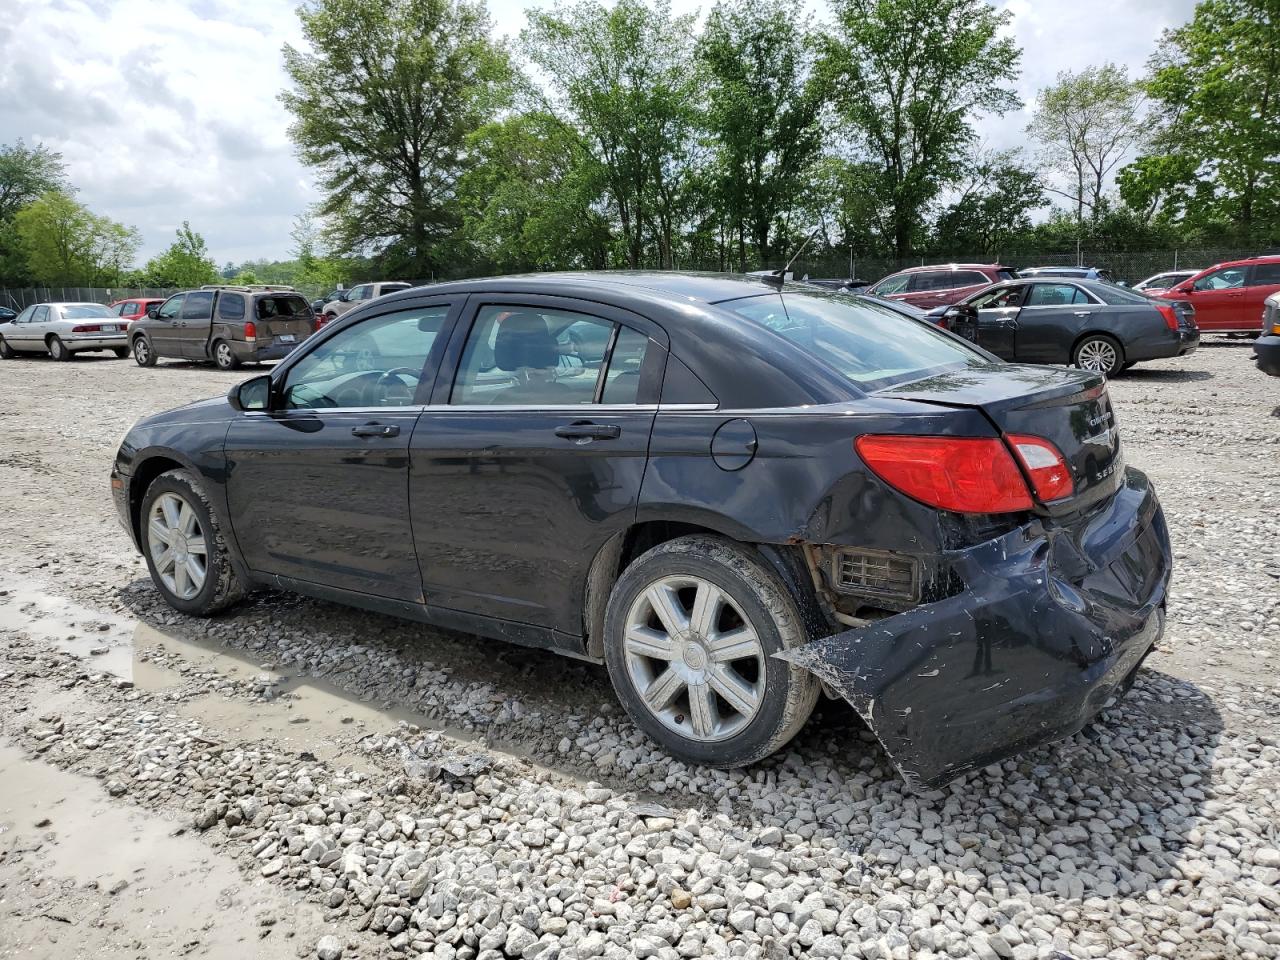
[(1054, 621)]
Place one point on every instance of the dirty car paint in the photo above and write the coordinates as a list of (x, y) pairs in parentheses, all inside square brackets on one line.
[(1053, 623)]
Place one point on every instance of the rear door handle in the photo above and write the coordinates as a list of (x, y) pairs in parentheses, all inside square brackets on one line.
[(376, 430), (585, 430), (1083, 313)]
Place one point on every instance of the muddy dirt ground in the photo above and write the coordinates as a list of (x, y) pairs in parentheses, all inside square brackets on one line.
[(299, 779)]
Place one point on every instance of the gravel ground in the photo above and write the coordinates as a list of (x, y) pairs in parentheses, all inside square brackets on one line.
[(317, 781)]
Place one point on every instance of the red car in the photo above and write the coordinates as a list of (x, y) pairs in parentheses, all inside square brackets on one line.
[(940, 285), (135, 308), (1229, 297)]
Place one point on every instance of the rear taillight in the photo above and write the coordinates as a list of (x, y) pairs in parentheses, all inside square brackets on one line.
[(961, 474), (250, 330), (1170, 315), (87, 328), (1044, 463)]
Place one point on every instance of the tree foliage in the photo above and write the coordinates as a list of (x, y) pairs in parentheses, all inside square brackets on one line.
[(66, 243), (994, 207), (186, 262), (383, 103), (26, 173)]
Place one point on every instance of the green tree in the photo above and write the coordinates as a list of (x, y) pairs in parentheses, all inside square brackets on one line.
[(994, 206), (763, 110), (64, 242), (623, 78), (908, 79), (186, 263), (383, 102), (1216, 159), (1086, 124), (25, 174)]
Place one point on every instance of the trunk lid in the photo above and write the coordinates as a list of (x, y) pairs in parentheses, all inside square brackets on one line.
[(1069, 408), (284, 315)]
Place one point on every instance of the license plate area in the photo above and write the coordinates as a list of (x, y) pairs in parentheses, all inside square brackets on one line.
[(286, 338)]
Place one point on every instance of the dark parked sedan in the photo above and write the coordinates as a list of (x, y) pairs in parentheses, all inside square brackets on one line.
[(1086, 323), (754, 490)]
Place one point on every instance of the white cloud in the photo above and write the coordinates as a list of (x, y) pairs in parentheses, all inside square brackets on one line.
[(166, 110)]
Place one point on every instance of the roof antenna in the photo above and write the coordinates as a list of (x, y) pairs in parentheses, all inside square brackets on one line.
[(780, 276)]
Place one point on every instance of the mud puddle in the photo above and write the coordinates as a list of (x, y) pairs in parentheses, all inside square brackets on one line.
[(86, 877), (103, 638)]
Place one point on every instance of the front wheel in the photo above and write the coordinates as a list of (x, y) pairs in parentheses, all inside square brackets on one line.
[(143, 354), (184, 549), (224, 357), (690, 632), (6, 352), (58, 350), (1099, 353), (120, 352)]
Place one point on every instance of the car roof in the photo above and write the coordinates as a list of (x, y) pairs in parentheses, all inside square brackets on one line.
[(67, 303), (952, 266), (1243, 262), (707, 288)]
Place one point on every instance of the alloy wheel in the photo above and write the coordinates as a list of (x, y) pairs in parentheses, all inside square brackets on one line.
[(694, 658), (178, 545), (223, 356), (1097, 355)]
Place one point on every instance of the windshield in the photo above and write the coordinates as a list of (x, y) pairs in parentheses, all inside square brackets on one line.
[(83, 311), (873, 346)]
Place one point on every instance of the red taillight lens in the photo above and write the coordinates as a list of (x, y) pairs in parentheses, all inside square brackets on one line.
[(1045, 465), (87, 328), (1170, 315), (962, 474), (250, 330)]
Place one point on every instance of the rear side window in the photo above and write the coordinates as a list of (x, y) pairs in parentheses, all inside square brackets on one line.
[(930, 280), (198, 306), (622, 380), (896, 284), (41, 315), (231, 307), (967, 278), (873, 346), (1265, 275), (1055, 295), (1108, 293)]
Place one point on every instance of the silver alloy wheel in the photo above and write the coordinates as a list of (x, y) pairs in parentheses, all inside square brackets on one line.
[(1097, 355), (179, 548), (223, 355), (694, 658), (140, 350)]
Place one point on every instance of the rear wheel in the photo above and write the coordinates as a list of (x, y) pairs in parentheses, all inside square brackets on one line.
[(1100, 353), (6, 352), (690, 633), (184, 549), (58, 350), (224, 357), (143, 354), (120, 352)]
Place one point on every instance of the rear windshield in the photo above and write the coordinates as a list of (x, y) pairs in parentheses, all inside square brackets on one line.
[(290, 305), (873, 346), (1112, 294), (83, 311)]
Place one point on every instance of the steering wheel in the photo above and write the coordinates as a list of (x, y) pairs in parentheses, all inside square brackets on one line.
[(382, 386)]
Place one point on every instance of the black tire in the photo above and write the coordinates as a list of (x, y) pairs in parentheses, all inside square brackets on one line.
[(1094, 345), (755, 596), (6, 352), (224, 356), (144, 354), (58, 350), (220, 587), (120, 352)]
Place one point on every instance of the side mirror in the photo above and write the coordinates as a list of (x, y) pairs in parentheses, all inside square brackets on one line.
[(254, 394), (1186, 286), (152, 312)]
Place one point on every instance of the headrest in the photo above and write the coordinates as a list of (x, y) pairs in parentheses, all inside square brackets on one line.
[(524, 341)]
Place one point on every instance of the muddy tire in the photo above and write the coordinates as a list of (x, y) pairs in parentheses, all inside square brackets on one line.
[(1099, 353), (58, 350), (224, 357), (6, 352), (144, 355), (185, 550), (690, 632)]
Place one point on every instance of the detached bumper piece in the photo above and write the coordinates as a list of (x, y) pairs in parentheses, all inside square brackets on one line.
[(1053, 623)]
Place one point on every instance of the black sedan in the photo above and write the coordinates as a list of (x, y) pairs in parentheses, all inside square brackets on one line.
[(752, 490), (1086, 323), (7, 315)]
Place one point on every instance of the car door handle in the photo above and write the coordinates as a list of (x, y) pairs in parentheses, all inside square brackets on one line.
[(586, 430), (376, 430), (1082, 313)]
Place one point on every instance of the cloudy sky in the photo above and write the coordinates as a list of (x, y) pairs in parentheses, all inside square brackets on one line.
[(166, 110)]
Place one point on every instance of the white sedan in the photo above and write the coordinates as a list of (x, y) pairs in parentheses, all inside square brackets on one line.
[(64, 329)]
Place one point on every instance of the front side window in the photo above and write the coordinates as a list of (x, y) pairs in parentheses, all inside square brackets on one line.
[(522, 356), (25, 316), (198, 305), (380, 362), (873, 346), (1055, 295), (41, 315), (170, 308), (1224, 279), (996, 299), (889, 285)]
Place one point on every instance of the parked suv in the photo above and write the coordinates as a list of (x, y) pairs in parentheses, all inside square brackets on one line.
[(938, 286), (1229, 297), (359, 294), (229, 325), (135, 308)]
